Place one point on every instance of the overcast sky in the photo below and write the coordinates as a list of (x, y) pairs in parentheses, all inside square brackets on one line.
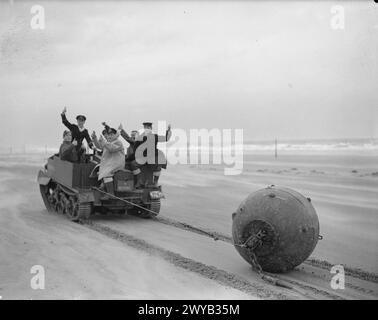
[(275, 69)]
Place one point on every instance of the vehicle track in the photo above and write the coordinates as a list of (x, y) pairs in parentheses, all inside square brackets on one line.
[(304, 288), (223, 277), (354, 272), (300, 286), (226, 278)]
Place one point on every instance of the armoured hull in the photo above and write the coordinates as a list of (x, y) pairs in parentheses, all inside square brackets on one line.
[(276, 226)]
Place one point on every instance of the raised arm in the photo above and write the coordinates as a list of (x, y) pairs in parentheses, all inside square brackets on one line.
[(168, 133), (125, 136), (95, 141), (167, 136), (69, 125)]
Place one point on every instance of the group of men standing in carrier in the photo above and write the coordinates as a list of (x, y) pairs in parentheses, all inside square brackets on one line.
[(142, 149)]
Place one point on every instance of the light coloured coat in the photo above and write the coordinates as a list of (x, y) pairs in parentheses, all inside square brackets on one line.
[(113, 158)]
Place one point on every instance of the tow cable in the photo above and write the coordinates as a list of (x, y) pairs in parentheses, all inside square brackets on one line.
[(252, 243)]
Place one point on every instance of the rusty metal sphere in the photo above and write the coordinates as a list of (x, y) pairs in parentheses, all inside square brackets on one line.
[(288, 222)]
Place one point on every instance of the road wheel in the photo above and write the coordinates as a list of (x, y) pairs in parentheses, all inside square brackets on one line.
[(78, 210), (134, 211), (71, 209)]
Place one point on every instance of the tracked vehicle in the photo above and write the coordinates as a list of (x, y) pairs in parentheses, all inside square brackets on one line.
[(73, 189), (274, 229)]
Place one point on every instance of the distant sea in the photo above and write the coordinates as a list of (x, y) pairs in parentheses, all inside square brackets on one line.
[(314, 145), (354, 145)]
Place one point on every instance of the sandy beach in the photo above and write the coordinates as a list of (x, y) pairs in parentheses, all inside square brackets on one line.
[(272, 93), (343, 191)]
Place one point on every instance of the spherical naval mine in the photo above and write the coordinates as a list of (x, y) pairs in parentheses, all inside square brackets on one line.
[(278, 226)]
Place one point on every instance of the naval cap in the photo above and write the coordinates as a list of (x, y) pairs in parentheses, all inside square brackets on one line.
[(81, 117)]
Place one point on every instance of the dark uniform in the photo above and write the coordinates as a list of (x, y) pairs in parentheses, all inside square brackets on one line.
[(131, 164), (77, 135), (67, 152), (159, 161)]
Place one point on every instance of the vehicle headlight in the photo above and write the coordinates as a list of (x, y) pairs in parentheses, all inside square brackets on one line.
[(156, 195)]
